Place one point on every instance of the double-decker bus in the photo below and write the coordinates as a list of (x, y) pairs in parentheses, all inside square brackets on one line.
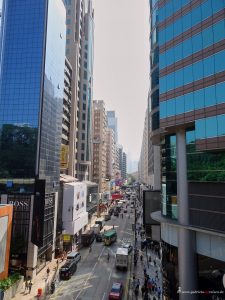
[(109, 237)]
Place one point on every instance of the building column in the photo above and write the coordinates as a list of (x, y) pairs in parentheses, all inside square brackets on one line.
[(186, 238)]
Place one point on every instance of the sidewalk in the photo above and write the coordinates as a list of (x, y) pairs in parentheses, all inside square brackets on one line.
[(41, 280), (138, 270)]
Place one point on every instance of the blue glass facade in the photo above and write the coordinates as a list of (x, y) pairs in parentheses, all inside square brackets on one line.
[(31, 91), (191, 59)]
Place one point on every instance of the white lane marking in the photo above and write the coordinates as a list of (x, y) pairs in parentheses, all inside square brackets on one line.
[(92, 271), (103, 296), (110, 275)]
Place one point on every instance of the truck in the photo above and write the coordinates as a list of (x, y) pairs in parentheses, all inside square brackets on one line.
[(122, 258), (101, 222), (87, 238), (95, 228)]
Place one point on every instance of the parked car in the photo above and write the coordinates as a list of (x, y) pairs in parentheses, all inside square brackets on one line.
[(67, 270), (98, 237), (74, 255), (116, 213), (125, 211), (111, 210), (116, 291)]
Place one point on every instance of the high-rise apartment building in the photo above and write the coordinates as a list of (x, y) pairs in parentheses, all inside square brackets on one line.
[(112, 123), (110, 154), (124, 166), (31, 103), (79, 51), (120, 157), (143, 160), (66, 117), (99, 144), (188, 95)]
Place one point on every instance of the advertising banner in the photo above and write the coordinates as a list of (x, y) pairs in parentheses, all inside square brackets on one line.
[(64, 157)]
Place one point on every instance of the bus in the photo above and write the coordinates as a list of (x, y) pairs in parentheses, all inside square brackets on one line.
[(109, 237)]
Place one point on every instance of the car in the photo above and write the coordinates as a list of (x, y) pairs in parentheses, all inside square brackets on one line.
[(67, 270), (111, 210), (98, 237), (125, 211), (74, 255), (128, 246), (116, 291), (132, 206), (116, 213), (107, 217)]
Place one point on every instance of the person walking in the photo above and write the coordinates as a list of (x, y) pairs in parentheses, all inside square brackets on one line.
[(136, 292), (26, 286), (30, 286), (142, 290), (48, 271)]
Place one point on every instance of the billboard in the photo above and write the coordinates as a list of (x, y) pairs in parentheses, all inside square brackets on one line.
[(151, 203), (38, 213)]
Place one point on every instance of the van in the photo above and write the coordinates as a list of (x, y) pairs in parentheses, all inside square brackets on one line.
[(107, 217), (101, 222), (67, 270), (74, 256)]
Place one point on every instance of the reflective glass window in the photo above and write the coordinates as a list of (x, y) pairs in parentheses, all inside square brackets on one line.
[(221, 125), (180, 107), (210, 96), (198, 72), (200, 129), (171, 107), (199, 99), (211, 127), (220, 92), (189, 102), (162, 110)]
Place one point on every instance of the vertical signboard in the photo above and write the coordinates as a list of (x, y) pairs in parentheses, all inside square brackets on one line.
[(38, 213)]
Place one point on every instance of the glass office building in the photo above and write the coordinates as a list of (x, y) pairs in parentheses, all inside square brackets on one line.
[(31, 99), (188, 69)]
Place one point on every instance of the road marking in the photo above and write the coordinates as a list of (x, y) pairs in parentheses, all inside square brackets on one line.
[(110, 275), (103, 296)]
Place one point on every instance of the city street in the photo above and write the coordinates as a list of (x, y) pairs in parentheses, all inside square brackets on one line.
[(95, 275)]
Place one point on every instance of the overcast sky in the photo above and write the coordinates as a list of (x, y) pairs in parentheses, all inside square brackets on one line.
[(121, 65)]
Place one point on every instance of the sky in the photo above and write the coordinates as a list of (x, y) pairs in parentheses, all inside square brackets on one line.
[(121, 65)]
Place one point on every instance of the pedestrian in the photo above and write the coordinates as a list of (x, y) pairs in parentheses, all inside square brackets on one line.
[(113, 226), (150, 259), (138, 283), (30, 286), (141, 257), (146, 296), (57, 264), (26, 286), (142, 290), (136, 292), (48, 271)]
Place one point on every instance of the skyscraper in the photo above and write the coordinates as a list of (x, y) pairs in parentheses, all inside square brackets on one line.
[(80, 52), (112, 123), (124, 166), (31, 99), (188, 92), (99, 144)]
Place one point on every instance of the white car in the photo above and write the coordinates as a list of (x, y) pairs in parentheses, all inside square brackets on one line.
[(74, 255), (129, 247)]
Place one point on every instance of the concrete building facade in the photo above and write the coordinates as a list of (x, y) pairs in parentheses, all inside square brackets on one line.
[(80, 52), (99, 145), (110, 154)]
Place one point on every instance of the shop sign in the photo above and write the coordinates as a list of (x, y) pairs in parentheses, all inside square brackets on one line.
[(66, 238)]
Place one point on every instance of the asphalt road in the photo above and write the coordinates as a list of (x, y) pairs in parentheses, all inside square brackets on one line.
[(95, 275)]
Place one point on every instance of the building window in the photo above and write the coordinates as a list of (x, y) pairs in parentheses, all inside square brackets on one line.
[(67, 51), (83, 136), (83, 117), (83, 126), (85, 55), (84, 106), (82, 156), (68, 21), (67, 41), (84, 97), (68, 30), (68, 12), (82, 146), (84, 87), (85, 74), (85, 65)]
